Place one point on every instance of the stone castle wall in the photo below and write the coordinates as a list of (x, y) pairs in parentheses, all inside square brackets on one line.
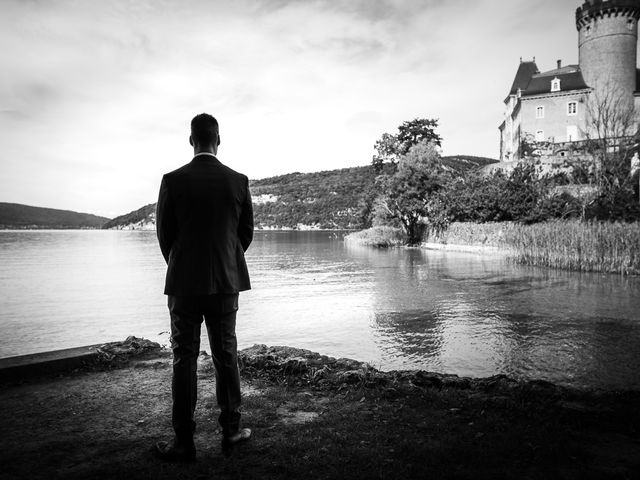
[(556, 118), (607, 43)]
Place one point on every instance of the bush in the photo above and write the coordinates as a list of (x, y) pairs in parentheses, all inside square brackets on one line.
[(521, 196)]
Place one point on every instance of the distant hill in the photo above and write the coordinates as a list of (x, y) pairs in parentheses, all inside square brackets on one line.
[(15, 215), (142, 219), (328, 199)]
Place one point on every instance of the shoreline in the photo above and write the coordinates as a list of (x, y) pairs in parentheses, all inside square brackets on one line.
[(457, 247), (53, 363)]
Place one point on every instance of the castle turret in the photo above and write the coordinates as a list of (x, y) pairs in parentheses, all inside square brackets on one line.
[(607, 40)]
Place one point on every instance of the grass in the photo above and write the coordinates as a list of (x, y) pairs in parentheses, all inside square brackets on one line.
[(581, 246), (365, 424), (607, 247), (381, 236)]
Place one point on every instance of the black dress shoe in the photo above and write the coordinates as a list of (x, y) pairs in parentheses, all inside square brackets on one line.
[(241, 435), (229, 441), (173, 452)]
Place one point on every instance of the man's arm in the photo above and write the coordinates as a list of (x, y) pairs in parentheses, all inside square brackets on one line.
[(245, 226), (165, 220)]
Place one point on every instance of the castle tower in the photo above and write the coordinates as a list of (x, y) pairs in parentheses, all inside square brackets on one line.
[(607, 42)]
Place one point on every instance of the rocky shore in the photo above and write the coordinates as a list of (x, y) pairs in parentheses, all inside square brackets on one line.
[(314, 417)]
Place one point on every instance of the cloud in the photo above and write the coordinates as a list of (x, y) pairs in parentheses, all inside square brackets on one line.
[(108, 88)]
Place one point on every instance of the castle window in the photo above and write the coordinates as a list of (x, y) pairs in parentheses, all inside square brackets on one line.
[(555, 85), (572, 108), (587, 30), (539, 112), (630, 24), (540, 136)]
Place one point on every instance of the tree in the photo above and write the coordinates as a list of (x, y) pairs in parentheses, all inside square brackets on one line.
[(610, 123), (412, 194), (387, 151), (418, 130), (389, 148)]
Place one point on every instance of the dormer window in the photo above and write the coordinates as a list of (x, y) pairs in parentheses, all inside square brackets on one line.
[(555, 85)]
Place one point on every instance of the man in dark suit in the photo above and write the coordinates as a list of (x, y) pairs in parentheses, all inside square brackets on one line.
[(204, 222)]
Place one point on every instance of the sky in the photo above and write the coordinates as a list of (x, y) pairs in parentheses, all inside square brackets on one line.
[(96, 97)]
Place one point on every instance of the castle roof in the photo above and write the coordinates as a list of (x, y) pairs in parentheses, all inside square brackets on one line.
[(570, 79), (531, 82), (525, 71)]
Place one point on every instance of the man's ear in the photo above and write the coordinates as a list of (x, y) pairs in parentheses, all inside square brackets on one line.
[(190, 141), (218, 140)]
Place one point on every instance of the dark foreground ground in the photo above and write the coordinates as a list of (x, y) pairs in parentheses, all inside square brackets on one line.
[(316, 417)]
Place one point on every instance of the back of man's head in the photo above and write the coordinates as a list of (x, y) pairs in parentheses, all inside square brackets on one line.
[(204, 130)]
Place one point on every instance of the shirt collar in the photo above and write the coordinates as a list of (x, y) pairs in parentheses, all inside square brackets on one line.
[(204, 153)]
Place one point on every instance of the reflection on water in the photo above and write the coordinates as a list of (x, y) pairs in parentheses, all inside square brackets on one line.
[(398, 309), (480, 316)]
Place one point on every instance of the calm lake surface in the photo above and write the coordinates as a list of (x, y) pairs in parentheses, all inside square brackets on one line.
[(468, 314)]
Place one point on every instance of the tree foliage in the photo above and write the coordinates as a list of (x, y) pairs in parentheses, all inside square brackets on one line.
[(411, 195), (417, 131), (523, 195), (390, 148)]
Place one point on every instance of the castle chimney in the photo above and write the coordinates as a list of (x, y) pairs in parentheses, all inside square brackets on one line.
[(559, 64)]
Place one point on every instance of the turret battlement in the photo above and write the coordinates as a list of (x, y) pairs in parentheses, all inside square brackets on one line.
[(593, 9)]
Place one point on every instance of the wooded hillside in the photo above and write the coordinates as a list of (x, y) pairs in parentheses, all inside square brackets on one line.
[(15, 215), (331, 199)]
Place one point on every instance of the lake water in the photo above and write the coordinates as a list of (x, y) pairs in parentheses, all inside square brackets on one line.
[(469, 314)]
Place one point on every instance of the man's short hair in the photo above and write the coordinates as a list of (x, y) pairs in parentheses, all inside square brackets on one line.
[(204, 129)]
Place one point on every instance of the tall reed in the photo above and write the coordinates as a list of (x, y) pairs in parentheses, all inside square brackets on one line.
[(582, 246), (610, 247)]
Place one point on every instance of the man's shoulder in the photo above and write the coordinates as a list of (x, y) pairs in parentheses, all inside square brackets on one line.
[(178, 171), (193, 168), (230, 171)]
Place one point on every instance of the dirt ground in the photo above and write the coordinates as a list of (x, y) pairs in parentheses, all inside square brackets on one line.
[(315, 417)]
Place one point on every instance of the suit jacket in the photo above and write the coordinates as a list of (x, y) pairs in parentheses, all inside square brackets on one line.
[(204, 222)]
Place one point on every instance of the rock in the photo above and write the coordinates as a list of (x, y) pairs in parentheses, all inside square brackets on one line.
[(294, 366), (129, 347), (424, 379), (304, 367), (351, 377)]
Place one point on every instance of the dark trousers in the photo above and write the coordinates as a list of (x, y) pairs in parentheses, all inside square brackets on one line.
[(219, 314)]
